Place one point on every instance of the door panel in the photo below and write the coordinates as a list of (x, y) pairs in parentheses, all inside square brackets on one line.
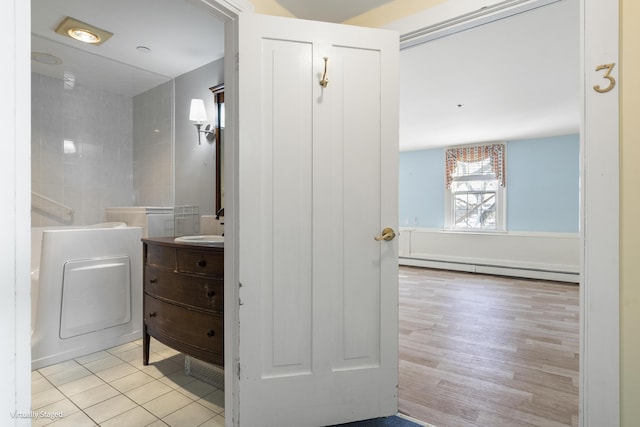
[(318, 181), (357, 134), (286, 211)]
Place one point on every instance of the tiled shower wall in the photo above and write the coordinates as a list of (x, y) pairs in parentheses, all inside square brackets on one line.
[(100, 173), (153, 176)]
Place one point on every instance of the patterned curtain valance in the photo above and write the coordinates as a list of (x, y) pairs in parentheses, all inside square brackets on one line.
[(494, 152)]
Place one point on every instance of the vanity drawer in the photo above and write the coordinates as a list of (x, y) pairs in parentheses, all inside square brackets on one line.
[(200, 262), (194, 328), (162, 256), (196, 291)]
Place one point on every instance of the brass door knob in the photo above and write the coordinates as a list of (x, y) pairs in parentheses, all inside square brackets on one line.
[(387, 234)]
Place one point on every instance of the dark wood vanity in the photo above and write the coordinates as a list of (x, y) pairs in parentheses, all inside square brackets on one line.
[(184, 298)]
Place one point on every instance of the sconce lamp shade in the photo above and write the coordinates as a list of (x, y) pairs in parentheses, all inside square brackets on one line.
[(197, 112), (222, 115)]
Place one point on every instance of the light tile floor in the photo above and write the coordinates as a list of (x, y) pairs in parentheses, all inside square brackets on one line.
[(113, 388)]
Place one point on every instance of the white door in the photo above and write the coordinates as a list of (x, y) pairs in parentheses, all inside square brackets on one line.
[(317, 183)]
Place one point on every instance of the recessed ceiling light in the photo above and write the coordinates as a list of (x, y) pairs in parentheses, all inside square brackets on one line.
[(45, 58), (82, 31), (83, 35)]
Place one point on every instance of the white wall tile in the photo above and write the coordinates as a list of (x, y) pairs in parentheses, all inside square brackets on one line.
[(98, 175), (153, 143)]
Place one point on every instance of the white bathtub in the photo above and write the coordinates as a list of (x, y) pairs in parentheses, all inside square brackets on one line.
[(86, 290)]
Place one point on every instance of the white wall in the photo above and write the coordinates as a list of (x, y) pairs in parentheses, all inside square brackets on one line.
[(169, 167), (195, 164)]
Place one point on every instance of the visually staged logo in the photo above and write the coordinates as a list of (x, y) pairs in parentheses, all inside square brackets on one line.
[(34, 415)]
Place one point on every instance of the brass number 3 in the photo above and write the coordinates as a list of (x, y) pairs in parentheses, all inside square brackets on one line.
[(607, 75)]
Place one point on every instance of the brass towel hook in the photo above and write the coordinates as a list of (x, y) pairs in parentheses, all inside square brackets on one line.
[(324, 80)]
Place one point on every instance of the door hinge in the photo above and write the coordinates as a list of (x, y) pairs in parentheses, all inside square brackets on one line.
[(238, 370)]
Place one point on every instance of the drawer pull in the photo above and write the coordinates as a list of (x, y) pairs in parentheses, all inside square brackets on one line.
[(152, 314), (211, 333), (154, 280), (211, 294), (202, 263)]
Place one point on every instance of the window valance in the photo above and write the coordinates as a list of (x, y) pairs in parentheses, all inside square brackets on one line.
[(493, 152)]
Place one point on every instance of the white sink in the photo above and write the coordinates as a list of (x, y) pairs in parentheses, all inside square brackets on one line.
[(199, 240)]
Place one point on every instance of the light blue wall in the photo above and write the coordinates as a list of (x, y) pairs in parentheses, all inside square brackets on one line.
[(542, 186), (422, 188)]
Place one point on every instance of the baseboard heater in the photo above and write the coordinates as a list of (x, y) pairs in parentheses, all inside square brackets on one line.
[(523, 272)]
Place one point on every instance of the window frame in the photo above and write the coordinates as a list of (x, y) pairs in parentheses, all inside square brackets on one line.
[(501, 198)]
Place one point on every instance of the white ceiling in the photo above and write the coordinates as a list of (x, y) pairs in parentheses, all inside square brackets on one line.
[(330, 10), (516, 78), (180, 38)]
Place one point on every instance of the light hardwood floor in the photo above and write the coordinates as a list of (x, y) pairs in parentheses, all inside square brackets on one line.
[(480, 350)]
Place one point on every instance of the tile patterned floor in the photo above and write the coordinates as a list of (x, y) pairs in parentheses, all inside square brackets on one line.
[(113, 388)]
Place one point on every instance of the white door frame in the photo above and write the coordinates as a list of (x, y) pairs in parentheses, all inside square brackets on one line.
[(600, 203), (15, 249), (599, 234), (229, 10)]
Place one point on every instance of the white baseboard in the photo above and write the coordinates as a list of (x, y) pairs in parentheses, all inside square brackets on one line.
[(570, 277)]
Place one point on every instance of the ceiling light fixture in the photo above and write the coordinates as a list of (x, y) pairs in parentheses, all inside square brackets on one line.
[(83, 35), (82, 31)]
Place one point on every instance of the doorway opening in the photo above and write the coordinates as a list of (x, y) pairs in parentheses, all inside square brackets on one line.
[(466, 73)]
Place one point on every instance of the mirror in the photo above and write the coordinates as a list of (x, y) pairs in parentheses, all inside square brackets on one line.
[(218, 99)]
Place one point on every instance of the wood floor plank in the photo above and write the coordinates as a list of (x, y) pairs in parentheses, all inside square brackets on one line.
[(480, 350)]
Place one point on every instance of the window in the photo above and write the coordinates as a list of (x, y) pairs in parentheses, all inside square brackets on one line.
[(475, 188)]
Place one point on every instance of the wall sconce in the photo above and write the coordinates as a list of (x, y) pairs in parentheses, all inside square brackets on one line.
[(198, 115)]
